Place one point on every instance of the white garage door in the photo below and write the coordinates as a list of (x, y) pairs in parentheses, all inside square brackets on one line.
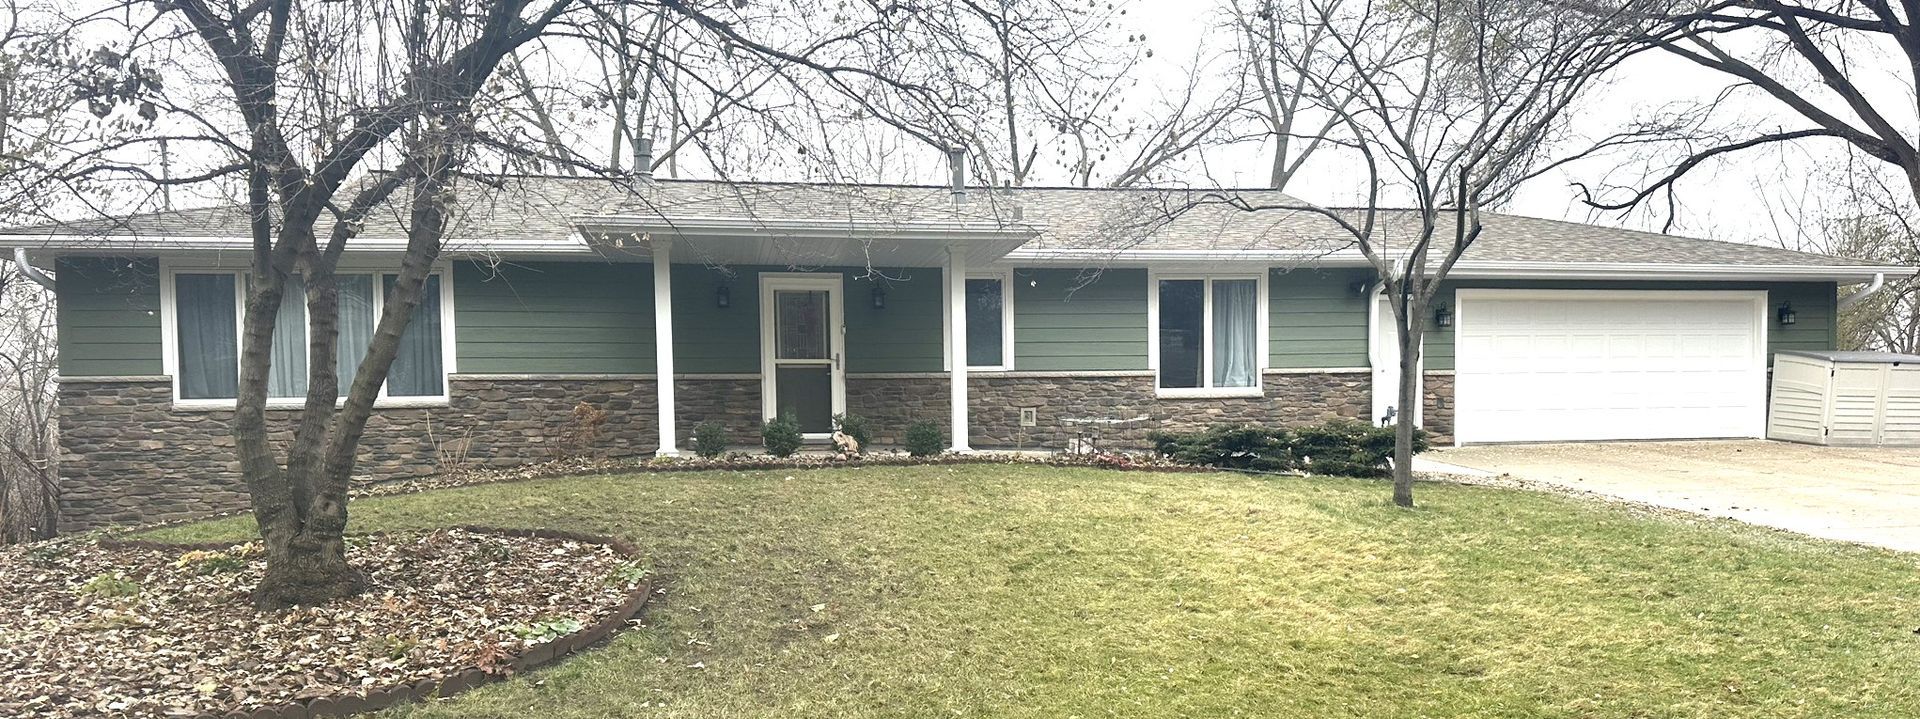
[(1540, 366)]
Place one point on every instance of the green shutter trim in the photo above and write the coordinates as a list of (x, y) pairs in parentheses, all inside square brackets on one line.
[(553, 318), (1814, 303), (1080, 320), (1315, 319), (108, 316)]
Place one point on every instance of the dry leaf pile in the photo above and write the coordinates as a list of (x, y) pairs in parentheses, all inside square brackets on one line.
[(87, 630)]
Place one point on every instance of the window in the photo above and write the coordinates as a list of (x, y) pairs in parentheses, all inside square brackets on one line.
[(987, 322), (1208, 335), (205, 330)]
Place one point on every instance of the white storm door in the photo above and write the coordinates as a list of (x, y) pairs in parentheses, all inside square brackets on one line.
[(801, 347)]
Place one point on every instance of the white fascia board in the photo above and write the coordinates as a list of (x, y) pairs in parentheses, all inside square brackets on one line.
[(72, 244), (807, 227), (1082, 257), (1668, 271)]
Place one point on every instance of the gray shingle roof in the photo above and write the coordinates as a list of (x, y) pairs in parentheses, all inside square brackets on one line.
[(523, 212)]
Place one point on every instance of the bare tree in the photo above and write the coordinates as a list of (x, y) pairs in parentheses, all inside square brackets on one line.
[(309, 92), (28, 493), (1826, 64), (1450, 105), (1862, 209), (1277, 48)]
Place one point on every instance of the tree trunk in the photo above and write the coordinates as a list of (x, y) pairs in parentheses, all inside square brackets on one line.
[(306, 562), (1411, 329)]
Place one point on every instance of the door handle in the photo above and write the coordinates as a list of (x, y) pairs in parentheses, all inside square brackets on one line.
[(836, 361)]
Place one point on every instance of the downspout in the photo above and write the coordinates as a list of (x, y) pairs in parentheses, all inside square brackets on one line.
[(32, 273), (1879, 281)]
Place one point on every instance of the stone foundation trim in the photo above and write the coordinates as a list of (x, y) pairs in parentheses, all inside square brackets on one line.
[(115, 379), (648, 377), (1055, 374), (1315, 370)]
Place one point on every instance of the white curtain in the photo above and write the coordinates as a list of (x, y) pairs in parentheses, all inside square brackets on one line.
[(416, 370), (207, 313), (356, 326), (1235, 361), (288, 375)]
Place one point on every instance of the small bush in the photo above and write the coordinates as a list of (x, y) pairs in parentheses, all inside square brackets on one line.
[(546, 630), (1349, 448), (924, 439), (782, 436), (393, 648), (1340, 447), (491, 552), (110, 585), (629, 574), (857, 427), (205, 562), (1243, 447), (709, 439)]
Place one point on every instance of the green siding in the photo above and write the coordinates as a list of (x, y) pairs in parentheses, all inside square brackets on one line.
[(1074, 320), (903, 337), (1813, 302), (109, 316), (553, 318), (706, 338), (1316, 319)]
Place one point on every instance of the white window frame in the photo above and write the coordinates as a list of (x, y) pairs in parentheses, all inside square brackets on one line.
[(1005, 276), (170, 332), (1260, 330)]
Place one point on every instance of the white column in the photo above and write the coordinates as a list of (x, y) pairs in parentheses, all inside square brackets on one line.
[(663, 345), (957, 320)]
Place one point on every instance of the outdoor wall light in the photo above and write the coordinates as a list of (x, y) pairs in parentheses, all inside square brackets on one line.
[(723, 297), (879, 297), (1787, 315), (1443, 316)]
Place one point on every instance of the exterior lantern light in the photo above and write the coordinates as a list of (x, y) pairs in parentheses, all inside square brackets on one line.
[(879, 297), (723, 297), (1787, 315), (1443, 316)]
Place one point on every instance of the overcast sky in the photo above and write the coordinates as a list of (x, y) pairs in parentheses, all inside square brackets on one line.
[(1739, 200)]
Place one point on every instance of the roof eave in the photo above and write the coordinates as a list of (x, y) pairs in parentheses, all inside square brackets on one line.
[(1843, 274)]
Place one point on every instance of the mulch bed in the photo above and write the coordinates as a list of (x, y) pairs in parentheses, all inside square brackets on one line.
[(129, 629)]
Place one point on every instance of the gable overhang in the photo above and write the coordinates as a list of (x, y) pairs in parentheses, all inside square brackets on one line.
[(804, 242)]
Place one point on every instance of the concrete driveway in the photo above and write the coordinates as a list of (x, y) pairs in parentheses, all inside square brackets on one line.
[(1870, 496)]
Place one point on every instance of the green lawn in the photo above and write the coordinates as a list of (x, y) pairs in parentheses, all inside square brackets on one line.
[(1023, 591)]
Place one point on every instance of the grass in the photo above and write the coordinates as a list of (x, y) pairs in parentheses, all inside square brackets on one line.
[(996, 591)]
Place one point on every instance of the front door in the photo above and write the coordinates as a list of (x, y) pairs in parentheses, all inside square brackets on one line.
[(801, 345)]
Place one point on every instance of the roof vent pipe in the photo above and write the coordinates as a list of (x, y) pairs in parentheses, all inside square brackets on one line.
[(1879, 281), (957, 162), (643, 159), (32, 273)]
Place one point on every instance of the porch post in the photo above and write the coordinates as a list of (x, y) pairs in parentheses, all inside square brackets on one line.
[(957, 316), (663, 345)]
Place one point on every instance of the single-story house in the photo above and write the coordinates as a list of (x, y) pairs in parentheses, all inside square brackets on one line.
[(1022, 318)]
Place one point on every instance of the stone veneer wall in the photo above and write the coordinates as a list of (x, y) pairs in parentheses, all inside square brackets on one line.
[(995, 401), (127, 456)]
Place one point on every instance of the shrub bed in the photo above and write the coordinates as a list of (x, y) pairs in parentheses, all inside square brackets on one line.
[(1341, 447)]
